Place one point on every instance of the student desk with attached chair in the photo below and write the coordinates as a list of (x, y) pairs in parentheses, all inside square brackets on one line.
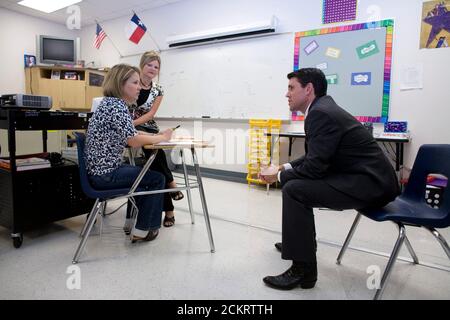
[(100, 203)]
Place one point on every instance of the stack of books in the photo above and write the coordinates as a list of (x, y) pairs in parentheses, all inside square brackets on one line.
[(26, 164), (69, 75)]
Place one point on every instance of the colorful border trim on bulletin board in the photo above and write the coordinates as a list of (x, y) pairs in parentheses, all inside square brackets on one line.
[(389, 25)]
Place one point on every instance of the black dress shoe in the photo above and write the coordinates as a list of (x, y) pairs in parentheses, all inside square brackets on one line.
[(279, 246), (305, 277)]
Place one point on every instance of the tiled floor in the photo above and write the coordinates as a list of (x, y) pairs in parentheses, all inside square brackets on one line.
[(179, 265)]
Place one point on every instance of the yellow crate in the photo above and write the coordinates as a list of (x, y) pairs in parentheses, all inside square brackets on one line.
[(260, 146), (259, 122), (275, 122), (254, 179)]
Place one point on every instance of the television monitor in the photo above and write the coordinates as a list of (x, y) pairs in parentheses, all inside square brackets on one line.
[(53, 50)]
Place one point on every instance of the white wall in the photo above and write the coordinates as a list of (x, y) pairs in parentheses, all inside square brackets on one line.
[(427, 111), (18, 37)]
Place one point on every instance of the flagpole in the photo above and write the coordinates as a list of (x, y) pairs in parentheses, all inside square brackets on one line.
[(159, 49), (149, 33), (120, 55)]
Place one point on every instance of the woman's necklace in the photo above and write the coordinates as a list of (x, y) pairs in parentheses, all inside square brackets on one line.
[(146, 86)]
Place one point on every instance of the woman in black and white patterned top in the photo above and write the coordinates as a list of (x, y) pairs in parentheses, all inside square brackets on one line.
[(143, 114), (110, 130)]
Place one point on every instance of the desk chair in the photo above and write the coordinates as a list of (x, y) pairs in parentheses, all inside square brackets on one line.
[(101, 196), (410, 207), (95, 103)]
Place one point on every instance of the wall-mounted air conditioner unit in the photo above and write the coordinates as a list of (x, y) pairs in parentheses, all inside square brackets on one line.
[(224, 34)]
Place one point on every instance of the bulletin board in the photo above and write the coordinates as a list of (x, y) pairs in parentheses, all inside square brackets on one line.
[(356, 60)]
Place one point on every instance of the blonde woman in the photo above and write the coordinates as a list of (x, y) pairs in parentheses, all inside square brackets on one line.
[(110, 130), (143, 114)]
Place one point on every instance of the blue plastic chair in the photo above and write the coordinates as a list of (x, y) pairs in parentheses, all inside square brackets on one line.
[(411, 209), (101, 196)]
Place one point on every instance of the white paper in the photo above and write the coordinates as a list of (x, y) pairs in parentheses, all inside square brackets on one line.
[(186, 142), (322, 66), (411, 77), (333, 52)]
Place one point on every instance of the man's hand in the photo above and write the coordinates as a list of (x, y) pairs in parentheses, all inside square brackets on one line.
[(269, 179), (269, 174)]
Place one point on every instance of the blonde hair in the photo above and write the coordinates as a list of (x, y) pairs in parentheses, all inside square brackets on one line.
[(115, 80), (149, 56)]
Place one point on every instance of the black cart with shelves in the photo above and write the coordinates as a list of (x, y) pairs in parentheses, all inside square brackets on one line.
[(35, 197)]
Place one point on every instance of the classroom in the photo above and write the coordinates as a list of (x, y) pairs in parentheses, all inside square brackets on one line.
[(287, 126)]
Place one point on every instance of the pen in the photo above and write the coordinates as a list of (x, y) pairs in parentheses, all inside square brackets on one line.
[(176, 127)]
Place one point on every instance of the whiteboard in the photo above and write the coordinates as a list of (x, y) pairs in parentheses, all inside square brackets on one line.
[(240, 79)]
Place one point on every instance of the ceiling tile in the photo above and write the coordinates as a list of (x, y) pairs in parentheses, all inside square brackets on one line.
[(91, 10)]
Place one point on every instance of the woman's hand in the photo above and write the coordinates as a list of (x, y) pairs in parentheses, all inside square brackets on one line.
[(145, 133), (167, 134)]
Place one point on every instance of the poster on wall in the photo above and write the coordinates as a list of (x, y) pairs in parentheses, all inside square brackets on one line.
[(338, 11), (29, 60), (435, 24)]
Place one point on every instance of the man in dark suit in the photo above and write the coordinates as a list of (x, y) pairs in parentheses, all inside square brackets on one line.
[(343, 168)]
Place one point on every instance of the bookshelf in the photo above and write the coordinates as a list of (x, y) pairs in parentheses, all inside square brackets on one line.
[(70, 88)]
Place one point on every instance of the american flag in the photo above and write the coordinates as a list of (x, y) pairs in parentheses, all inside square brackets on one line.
[(100, 35)]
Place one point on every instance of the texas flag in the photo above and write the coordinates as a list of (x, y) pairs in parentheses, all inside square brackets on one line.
[(135, 29)]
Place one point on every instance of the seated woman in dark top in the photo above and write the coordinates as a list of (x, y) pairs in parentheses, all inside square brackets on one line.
[(143, 114), (110, 130)]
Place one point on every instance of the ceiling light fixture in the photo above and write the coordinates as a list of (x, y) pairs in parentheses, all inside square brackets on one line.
[(47, 6)]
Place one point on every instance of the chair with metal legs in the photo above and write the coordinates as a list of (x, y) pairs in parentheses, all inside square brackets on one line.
[(101, 196), (411, 209)]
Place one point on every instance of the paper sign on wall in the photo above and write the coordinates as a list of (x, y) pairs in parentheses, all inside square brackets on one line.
[(311, 47), (338, 10), (332, 78), (435, 24), (333, 52), (361, 78), (411, 77), (322, 66), (367, 50)]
